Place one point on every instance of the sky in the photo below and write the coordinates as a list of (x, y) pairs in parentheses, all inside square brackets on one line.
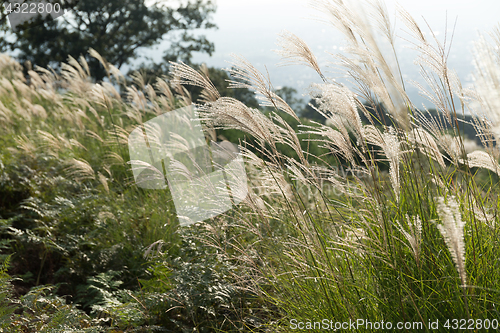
[(250, 27)]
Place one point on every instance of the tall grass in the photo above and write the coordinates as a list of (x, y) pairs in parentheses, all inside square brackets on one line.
[(75, 223), (410, 233), (393, 219)]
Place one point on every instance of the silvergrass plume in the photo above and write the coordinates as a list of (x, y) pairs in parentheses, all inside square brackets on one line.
[(452, 229)]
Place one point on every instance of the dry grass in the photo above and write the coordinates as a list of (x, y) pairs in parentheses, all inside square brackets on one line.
[(410, 232)]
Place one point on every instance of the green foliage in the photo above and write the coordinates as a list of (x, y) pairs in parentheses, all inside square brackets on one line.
[(91, 251), (288, 94), (77, 231), (103, 296), (39, 310), (45, 312), (197, 290), (412, 231), (6, 309)]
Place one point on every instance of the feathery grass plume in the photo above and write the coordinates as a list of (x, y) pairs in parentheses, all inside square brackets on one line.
[(183, 74), (349, 182), (484, 131), (339, 185), (211, 93), (374, 70), (151, 96), (80, 170), (257, 204), (230, 113), (138, 79), (74, 78), (138, 102), (31, 111), (117, 74), (436, 126), (247, 76), (296, 173), (38, 111), (103, 180), (411, 24), (23, 89), (452, 146), (182, 94), (51, 143), (76, 143), (94, 135), (117, 136), (84, 64), (392, 151), (111, 90), (44, 85), (266, 179), (294, 50), (94, 54), (148, 173), (101, 96), (168, 98), (21, 108), (337, 99), (481, 159), (5, 83), (311, 182), (443, 82), (10, 68), (49, 77), (82, 73), (315, 238), (334, 140), (414, 236), (452, 229), (290, 138), (5, 115), (112, 158), (79, 118), (390, 145), (383, 21), (36, 81), (483, 212), (26, 145), (487, 79), (3, 91), (425, 141), (337, 122)]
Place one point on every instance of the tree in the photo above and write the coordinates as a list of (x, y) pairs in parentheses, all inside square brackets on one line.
[(288, 94), (116, 29)]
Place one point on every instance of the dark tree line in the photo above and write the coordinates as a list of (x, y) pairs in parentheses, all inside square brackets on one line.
[(116, 29)]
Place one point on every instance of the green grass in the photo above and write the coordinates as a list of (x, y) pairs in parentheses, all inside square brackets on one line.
[(345, 220)]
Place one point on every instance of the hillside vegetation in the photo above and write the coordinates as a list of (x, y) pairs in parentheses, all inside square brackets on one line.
[(381, 214)]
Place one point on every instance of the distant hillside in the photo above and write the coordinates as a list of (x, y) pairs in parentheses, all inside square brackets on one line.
[(380, 116)]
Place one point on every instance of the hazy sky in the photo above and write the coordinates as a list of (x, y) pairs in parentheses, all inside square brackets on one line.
[(250, 27)]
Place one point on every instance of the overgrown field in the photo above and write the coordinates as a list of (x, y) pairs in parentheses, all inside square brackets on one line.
[(382, 214)]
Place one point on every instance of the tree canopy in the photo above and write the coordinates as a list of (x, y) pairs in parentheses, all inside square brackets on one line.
[(116, 29)]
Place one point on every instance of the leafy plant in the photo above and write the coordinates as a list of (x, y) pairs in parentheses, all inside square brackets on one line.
[(6, 308)]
